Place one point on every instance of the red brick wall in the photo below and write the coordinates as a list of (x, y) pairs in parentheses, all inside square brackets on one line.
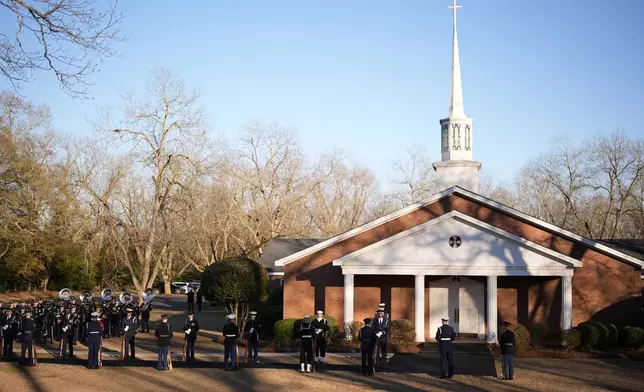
[(602, 283)]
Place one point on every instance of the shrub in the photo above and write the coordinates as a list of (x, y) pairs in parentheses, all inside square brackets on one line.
[(522, 335), (571, 339), (633, 338), (351, 330), (334, 330), (235, 281), (539, 334), (610, 340), (401, 334), (283, 330), (590, 335)]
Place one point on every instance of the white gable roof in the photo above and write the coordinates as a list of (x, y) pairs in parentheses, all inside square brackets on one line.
[(456, 190)]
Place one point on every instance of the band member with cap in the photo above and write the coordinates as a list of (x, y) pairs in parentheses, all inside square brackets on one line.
[(163, 333), (445, 335), (10, 330), (94, 336), (67, 335), (252, 334), (321, 327), (130, 326), (199, 299), (27, 338), (367, 338), (145, 317), (306, 334), (190, 329), (381, 329), (191, 300), (508, 343), (231, 334)]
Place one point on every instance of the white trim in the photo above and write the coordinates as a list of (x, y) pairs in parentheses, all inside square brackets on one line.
[(459, 216), (276, 273), (460, 270), (483, 200)]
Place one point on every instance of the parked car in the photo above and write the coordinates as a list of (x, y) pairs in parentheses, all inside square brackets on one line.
[(179, 287)]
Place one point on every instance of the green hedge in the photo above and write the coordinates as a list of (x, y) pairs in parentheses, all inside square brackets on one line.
[(590, 335), (402, 334), (539, 334), (631, 337), (522, 335), (283, 330), (571, 339)]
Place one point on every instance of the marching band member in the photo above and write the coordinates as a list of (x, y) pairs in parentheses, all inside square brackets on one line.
[(93, 336), (321, 326), (231, 333), (130, 326), (145, 317), (252, 333), (190, 328), (306, 334), (27, 338), (163, 333)]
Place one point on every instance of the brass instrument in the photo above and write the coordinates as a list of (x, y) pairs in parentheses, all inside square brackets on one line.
[(65, 294), (107, 294), (86, 297), (125, 298), (148, 295)]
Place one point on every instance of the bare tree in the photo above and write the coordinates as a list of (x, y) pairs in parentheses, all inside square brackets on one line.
[(413, 178), (58, 36)]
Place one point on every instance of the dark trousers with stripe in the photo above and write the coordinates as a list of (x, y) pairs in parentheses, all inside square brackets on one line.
[(306, 351), (447, 359)]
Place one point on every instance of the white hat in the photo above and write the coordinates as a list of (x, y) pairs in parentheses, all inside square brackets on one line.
[(319, 312), (94, 314), (253, 313), (307, 316), (381, 305), (445, 318), (231, 316), (128, 310)]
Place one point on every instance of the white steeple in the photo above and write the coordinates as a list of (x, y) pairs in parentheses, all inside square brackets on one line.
[(456, 166)]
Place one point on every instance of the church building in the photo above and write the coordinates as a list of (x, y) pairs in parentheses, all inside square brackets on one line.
[(461, 255)]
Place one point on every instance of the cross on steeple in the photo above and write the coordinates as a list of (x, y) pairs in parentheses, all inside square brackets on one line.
[(455, 7)]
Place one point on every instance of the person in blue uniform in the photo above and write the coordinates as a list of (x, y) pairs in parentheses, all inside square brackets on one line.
[(27, 338), (163, 333), (508, 343), (10, 330), (252, 333), (306, 334), (445, 335), (321, 327), (367, 338), (190, 329), (381, 328), (130, 327), (231, 334), (94, 337)]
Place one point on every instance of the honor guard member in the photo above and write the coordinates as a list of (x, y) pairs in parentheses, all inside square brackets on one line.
[(321, 327), (94, 337), (190, 328), (130, 326), (231, 334), (306, 334), (367, 338), (10, 329), (252, 333), (445, 335), (145, 317), (191, 300), (27, 338), (67, 335), (381, 308), (508, 343), (381, 328), (199, 299), (163, 333)]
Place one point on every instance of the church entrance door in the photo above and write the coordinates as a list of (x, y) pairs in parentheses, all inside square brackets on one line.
[(462, 300)]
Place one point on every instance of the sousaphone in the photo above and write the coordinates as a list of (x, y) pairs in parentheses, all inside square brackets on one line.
[(148, 295), (86, 297), (125, 298), (65, 294)]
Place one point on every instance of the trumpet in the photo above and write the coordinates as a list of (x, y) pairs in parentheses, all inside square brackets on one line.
[(148, 295), (86, 297), (106, 294), (125, 298), (65, 294)]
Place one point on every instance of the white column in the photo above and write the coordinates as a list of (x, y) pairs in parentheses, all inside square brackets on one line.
[(491, 310), (419, 308), (348, 302), (566, 302)]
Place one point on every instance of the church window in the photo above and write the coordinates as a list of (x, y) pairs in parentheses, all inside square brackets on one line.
[(456, 136), (445, 137), (468, 138)]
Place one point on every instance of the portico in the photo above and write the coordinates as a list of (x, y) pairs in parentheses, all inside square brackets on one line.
[(469, 255)]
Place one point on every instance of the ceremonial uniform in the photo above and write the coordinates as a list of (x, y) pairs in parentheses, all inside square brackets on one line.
[(508, 342), (199, 299), (231, 333), (445, 335), (381, 329), (321, 327), (67, 334), (130, 326), (163, 333), (145, 317), (190, 328), (252, 333), (10, 329), (191, 301), (367, 338), (306, 333), (94, 338), (27, 338)]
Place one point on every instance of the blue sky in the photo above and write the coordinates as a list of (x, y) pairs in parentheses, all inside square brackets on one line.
[(372, 77)]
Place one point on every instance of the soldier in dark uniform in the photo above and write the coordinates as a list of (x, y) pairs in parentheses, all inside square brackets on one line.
[(381, 328), (115, 320), (367, 338), (306, 334), (94, 337), (163, 333), (231, 334), (252, 334), (130, 326), (445, 335), (508, 342), (190, 328), (27, 338), (10, 329), (321, 327), (191, 300), (199, 299), (66, 334), (145, 317)]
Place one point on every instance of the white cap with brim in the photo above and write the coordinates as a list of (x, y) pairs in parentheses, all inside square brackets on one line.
[(306, 316), (445, 318), (94, 314), (253, 313), (231, 316), (381, 305), (320, 312), (128, 310)]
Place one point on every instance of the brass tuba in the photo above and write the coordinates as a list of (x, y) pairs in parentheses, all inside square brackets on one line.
[(86, 297), (65, 294), (107, 294), (125, 298), (148, 295)]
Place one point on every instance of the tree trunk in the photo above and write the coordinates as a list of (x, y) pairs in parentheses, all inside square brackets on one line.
[(166, 286), (45, 283)]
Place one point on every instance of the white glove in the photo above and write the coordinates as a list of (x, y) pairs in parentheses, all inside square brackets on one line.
[(188, 331), (379, 334), (318, 331), (64, 329), (252, 330), (5, 327), (126, 328)]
